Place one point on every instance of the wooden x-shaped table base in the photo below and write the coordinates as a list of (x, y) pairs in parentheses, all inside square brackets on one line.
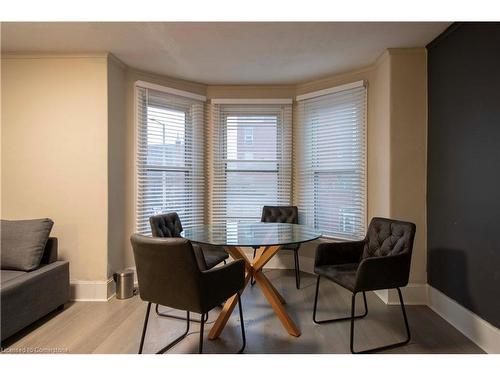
[(263, 255)]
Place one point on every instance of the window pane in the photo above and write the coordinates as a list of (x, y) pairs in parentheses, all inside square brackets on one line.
[(263, 131), (161, 191), (166, 131), (247, 192), (251, 140), (252, 160), (336, 203)]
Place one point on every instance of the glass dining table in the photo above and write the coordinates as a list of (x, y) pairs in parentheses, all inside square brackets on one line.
[(268, 238)]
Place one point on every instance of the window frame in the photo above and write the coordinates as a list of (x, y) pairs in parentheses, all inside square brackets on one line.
[(283, 117), (167, 90), (319, 171)]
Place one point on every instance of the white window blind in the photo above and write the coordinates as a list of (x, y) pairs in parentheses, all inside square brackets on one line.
[(330, 152), (169, 157), (251, 160)]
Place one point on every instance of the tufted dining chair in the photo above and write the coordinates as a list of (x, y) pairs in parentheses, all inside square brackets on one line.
[(169, 274), (380, 261), (283, 214), (169, 226)]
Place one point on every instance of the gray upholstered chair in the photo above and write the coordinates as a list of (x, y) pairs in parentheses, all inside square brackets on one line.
[(169, 226), (169, 275), (380, 261), (283, 214)]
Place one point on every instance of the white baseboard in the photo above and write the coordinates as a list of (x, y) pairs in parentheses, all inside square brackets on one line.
[(92, 290), (111, 288), (482, 333), (413, 294)]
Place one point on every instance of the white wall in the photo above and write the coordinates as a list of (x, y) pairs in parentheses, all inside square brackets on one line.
[(54, 152)]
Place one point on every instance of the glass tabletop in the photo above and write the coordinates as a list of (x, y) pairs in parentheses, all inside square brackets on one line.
[(250, 234)]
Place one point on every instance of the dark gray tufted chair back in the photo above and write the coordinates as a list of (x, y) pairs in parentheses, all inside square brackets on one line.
[(388, 237), (166, 225), (167, 272), (280, 214)]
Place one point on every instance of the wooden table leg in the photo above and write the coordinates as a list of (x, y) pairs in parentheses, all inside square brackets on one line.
[(266, 256), (280, 297), (260, 251), (238, 253), (275, 302), (275, 299)]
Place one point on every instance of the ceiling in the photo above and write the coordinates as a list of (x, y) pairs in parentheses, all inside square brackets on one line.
[(227, 53)]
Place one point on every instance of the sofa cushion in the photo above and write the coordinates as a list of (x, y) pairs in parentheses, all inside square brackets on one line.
[(7, 275), (23, 243)]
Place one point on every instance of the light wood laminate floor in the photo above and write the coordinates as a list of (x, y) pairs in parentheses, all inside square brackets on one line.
[(115, 326)]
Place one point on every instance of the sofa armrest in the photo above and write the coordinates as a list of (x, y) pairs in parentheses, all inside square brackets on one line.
[(50, 252)]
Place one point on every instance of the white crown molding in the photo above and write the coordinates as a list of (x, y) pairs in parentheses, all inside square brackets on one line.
[(251, 101), (117, 61), (170, 90), (46, 55), (331, 90)]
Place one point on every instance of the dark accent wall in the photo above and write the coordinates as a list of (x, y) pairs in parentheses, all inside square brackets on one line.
[(463, 187)]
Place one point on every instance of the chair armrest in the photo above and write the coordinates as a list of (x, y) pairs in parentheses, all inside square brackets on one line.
[(338, 253), (50, 252), (386, 272), (200, 258), (222, 282)]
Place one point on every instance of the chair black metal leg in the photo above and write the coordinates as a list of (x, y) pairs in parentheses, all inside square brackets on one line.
[(179, 317), (353, 308), (178, 339), (144, 327), (390, 346), (297, 269), (202, 327), (171, 344), (252, 279), (242, 325), (336, 319)]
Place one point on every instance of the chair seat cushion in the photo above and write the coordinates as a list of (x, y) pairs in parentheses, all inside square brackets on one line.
[(213, 255), (342, 274)]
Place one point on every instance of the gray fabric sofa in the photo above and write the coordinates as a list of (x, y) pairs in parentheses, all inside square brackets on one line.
[(26, 296)]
